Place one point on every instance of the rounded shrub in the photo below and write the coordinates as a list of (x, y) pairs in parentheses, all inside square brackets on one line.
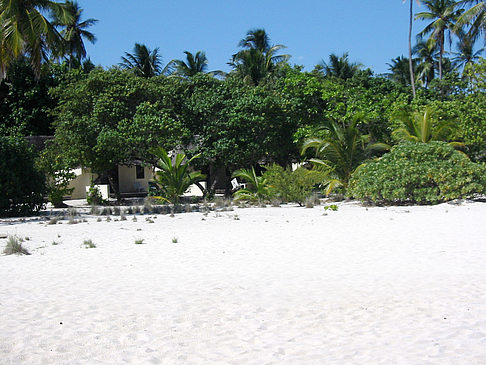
[(418, 173), (22, 186)]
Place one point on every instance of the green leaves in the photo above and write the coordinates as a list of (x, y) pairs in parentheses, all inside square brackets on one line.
[(257, 188), (419, 173), (174, 177)]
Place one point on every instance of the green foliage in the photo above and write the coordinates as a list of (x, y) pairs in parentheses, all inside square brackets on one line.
[(257, 187), (113, 117), (174, 177), (58, 172), (293, 186), (14, 246), (420, 127), (332, 207), (93, 196), (22, 185), (338, 154), (423, 173), (89, 244)]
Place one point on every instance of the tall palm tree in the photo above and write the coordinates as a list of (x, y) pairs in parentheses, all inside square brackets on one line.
[(475, 17), (339, 67), (410, 62), (400, 70), (26, 31), (193, 65), (258, 58), (144, 62), (443, 15), (426, 53), (74, 31), (465, 55)]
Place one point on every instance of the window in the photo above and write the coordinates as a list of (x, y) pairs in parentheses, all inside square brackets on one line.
[(140, 172)]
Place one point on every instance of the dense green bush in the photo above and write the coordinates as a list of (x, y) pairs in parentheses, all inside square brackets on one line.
[(293, 186), (21, 185), (423, 173)]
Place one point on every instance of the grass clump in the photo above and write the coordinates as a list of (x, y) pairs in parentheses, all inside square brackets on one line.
[(14, 246), (88, 244), (139, 241), (174, 240), (332, 207)]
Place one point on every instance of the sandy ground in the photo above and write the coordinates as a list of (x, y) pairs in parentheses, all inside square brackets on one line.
[(288, 285)]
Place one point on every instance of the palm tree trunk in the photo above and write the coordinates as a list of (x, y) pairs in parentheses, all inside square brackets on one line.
[(441, 52), (410, 63)]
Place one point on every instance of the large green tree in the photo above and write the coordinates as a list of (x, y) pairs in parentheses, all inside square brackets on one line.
[(144, 62)]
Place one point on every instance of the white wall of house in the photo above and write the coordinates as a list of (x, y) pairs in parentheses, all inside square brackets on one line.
[(83, 179), (130, 181)]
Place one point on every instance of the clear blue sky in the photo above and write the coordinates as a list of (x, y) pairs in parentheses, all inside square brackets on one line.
[(373, 31)]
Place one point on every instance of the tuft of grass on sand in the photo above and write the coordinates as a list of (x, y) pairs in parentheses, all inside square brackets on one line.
[(174, 240), (14, 246), (54, 243), (88, 244), (139, 241)]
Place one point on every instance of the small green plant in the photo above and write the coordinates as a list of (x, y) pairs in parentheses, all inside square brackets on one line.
[(108, 219), (14, 246), (134, 219), (88, 244), (257, 189), (332, 207), (174, 240), (93, 196), (54, 243), (98, 219), (123, 216), (139, 241)]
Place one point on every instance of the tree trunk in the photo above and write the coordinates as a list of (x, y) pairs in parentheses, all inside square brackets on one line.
[(441, 52), (410, 63)]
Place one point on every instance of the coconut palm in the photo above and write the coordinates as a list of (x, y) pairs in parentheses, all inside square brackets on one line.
[(144, 62), (400, 70), (193, 65), (410, 62), (420, 127), (26, 31), (443, 15), (257, 187), (74, 31), (426, 53), (173, 177), (339, 67), (339, 153), (466, 54), (475, 17), (258, 59)]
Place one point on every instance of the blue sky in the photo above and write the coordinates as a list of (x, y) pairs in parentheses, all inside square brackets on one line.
[(373, 31)]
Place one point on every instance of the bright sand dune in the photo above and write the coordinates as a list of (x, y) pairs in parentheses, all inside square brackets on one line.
[(398, 285)]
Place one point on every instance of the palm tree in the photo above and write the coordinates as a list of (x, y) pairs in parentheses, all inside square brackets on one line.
[(443, 15), (465, 55), (475, 16), (419, 127), (144, 62), (193, 65), (74, 31), (400, 70), (258, 59), (339, 153), (339, 67), (26, 31), (426, 53), (257, 188), (410, 62), (173, 177)]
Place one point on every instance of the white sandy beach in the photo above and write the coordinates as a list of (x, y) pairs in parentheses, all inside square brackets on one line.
[(288, 285)]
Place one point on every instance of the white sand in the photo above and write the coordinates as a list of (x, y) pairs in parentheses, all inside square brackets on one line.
[(397, 285)]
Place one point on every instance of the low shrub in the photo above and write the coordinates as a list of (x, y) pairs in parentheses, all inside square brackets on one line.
[(14, 246), (419, 173), (93, 196), (293, 186)]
